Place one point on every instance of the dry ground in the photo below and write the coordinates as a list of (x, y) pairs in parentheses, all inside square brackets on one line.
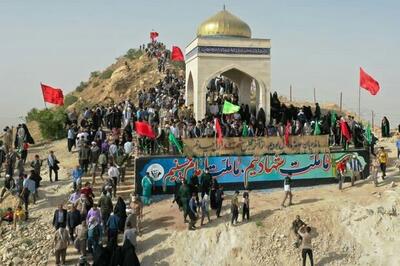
[(358, 226)]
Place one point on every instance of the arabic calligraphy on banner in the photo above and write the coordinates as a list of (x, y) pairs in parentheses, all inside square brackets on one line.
[(255, 146), (239, 169)]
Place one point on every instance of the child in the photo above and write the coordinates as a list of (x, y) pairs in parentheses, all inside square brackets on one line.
[(8, 216), (19, 215)]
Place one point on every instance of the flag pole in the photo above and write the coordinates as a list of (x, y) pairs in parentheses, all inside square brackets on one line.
[(45, 105), (359, 103)]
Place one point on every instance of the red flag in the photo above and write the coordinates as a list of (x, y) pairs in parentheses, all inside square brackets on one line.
[(218, 131), (287, 133), (52, 95), (177, 54), (369, 83), (144, 129), (345, 129), (153, 36)]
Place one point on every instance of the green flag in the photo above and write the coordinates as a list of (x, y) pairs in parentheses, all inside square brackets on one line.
[(245, 131), (368, 134), (317, 130), (333, 119), (230, 108), (174, 141)]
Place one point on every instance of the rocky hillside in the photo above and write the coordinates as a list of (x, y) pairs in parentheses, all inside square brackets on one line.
[(125, 78)]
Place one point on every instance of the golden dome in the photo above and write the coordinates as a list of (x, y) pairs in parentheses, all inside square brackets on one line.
[(224, 24)]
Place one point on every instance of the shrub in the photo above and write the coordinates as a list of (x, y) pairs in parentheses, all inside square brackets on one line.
[(51, 122), (133, 54), (81, 86), (259, 224), (32, 115), (94, 74), (70, 99), (95, 84), (106, 74)]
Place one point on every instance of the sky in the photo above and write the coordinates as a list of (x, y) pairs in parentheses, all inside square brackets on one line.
[(315, 44)]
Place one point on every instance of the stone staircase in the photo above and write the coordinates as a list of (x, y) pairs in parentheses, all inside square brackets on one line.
[(124, 189)]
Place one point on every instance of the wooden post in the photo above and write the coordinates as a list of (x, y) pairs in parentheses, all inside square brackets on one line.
[(359, 103), (372, 119), (341, 101), (315, 97), (290, 93)]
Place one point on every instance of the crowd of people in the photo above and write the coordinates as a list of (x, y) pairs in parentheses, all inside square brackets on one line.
[(212, 196), (105, 156), (163, 108), (86, 222), (104, 139)]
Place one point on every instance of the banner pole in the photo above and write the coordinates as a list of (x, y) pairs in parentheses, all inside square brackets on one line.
[(315, 97), (372, 120), (44, 101), (359, 103)]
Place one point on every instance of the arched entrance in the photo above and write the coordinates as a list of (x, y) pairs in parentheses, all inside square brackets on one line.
[(233, 85)]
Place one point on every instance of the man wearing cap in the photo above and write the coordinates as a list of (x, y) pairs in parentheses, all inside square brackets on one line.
[(356, 168)]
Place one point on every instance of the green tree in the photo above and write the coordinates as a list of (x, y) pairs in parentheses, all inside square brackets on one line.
[(106, 74), (51, 122)]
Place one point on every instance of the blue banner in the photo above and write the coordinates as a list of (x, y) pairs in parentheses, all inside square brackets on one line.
[(241, 169)]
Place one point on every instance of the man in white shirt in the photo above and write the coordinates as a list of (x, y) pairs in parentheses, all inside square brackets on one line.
[(113, 174), (306, 246)]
